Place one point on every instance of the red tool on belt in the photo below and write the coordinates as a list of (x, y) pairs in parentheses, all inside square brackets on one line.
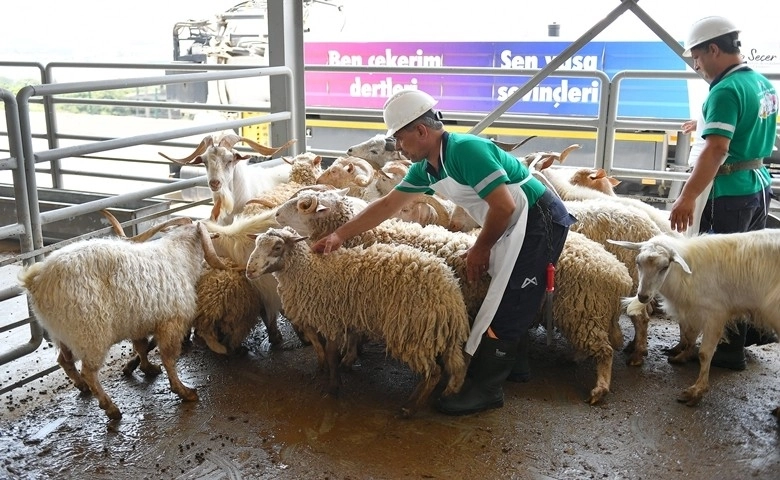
[(548, 302)]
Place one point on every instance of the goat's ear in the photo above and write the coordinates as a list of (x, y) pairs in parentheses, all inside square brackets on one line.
[(238, 157), (679, 260), (624, 244)]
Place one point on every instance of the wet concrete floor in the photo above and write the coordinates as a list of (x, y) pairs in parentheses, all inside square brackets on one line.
[(264, 416)]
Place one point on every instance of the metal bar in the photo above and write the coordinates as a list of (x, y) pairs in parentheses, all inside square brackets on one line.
[(552, 66), (78, 150)]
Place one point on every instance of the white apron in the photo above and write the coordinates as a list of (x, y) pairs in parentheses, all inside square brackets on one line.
[(701, 200), (507, 247)]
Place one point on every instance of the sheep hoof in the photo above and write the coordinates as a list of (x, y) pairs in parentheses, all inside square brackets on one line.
[(596, 395), (113, 412), (130, 366), (636, 359), (689, 397), (82, 387), (188, 395), (151, 370)]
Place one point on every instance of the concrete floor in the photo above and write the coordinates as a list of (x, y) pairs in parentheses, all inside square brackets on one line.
[(264, 416)]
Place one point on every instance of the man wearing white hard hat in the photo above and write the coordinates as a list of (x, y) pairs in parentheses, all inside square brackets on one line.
[(739, 126), (524, 227)]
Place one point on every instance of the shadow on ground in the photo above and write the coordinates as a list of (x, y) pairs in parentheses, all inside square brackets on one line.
[(263, 416)]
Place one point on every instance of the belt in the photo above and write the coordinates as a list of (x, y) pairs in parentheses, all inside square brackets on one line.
[(729, 168)]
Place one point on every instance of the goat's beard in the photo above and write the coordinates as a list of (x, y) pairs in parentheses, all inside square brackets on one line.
[(226, 201)]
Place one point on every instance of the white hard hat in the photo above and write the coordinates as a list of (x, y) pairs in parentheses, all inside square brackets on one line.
[(404, 107), (706, 29)]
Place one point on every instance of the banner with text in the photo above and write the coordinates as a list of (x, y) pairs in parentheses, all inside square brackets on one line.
[(555, 95)]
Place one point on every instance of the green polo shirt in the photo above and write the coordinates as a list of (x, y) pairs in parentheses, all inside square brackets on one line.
[(473, 161), (742, 106)]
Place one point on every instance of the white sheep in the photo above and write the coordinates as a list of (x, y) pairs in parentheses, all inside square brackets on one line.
[(602, 219), (559, 179), (354, 173), (391, 175), (232, 181), (706, 282), (94, 293), (587, 317), (418, 326), (377, 150)]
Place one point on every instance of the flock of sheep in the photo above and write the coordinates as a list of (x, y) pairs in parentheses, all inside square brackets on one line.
[(401, 284)]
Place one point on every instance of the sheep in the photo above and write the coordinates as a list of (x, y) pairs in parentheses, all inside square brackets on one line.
[(559, 180), (588, 317), (590, 284), (228, 308), (377, 150), (391, 175), (224, 298), (231, 180), (93, 293), (419, 326), (716, 279), (602, 219), (596, 179), (316, 214), (354, 173)]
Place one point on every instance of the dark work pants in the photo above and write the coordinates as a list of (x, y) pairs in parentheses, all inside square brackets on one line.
[(736, 214), (548, 226)]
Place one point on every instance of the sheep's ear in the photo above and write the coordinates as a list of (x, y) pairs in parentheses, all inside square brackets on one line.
[(321, 208), (343, 191), (679, 260), (624, 244), (299, 239), (317, 160), (251, 236), (613, 181), (213, 235)]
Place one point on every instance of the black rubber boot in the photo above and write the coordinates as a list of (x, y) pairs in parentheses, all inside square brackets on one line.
[(732, 355), (491, 365), (521, 371), (755, 336)]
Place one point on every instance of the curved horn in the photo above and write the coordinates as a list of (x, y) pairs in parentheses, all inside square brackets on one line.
[(267, 151), (443, 216), (508, 147), (208, 249), (142, 237), (114, 223), (229, 140), (567, 151), (202, 146), (307, 204)]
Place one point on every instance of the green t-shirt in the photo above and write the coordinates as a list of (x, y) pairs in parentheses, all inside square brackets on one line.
[(742, 106), (473, 161)]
